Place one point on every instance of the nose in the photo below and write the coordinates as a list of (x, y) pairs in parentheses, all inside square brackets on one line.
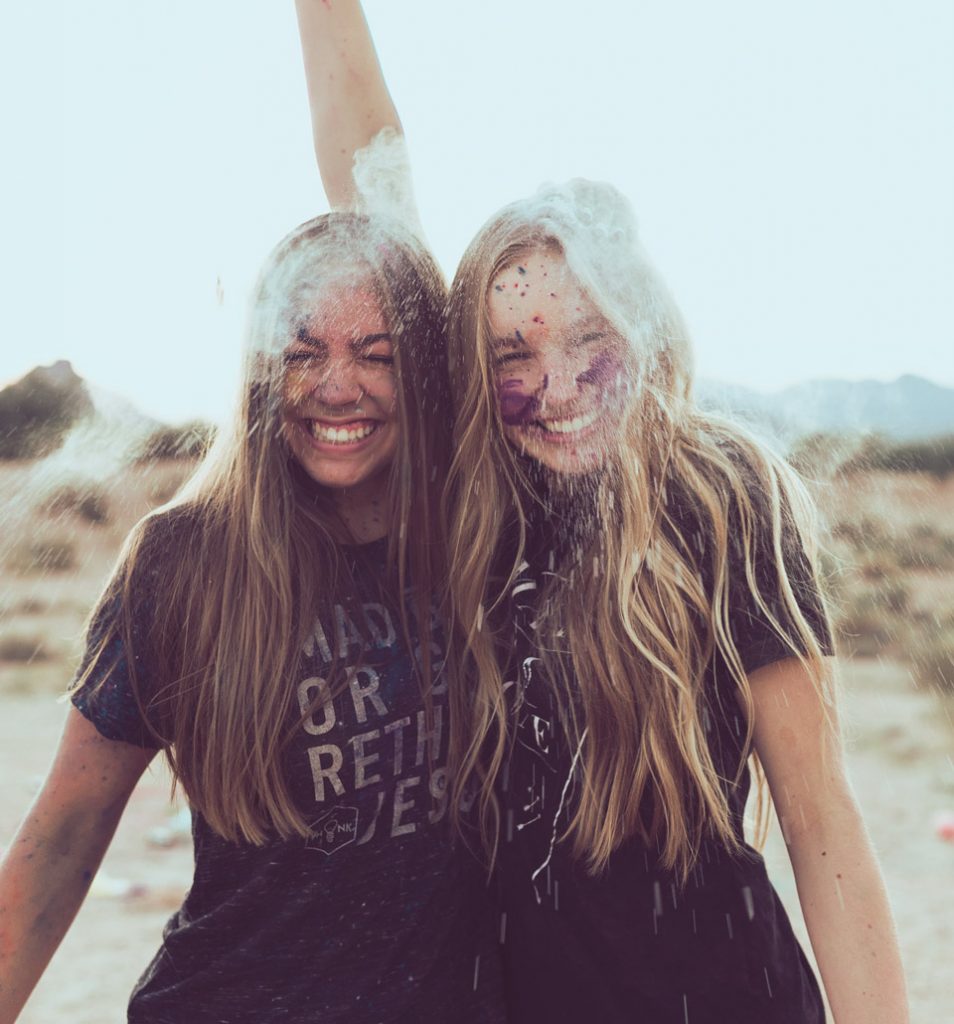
[(560, 381), (338, 384)]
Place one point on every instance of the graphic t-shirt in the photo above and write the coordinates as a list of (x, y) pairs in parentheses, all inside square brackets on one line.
[(632, 945), (379, 916)]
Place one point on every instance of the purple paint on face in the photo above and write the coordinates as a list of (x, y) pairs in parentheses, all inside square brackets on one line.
[(603, 370), (517, 408)]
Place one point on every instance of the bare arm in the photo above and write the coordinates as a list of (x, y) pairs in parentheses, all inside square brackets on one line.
[(349, 100), (839, 884), (55, 853)]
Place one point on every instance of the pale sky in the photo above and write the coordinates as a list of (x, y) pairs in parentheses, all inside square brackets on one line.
[(791, 167)]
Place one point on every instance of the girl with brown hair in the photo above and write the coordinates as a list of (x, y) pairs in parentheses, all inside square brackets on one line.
[(273, 630)]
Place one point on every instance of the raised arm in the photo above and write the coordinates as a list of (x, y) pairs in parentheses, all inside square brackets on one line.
[(349, 100), (54, 855)]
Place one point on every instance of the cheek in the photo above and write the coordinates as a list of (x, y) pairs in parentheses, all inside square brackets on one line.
[(605, 371), (517, 406), (293, 388), (382, 390)]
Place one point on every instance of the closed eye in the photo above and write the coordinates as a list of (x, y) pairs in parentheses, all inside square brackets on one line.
[(510, 357), (299, 358)]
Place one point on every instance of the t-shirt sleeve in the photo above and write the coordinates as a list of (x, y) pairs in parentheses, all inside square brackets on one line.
[(107, 697), (759, 640)]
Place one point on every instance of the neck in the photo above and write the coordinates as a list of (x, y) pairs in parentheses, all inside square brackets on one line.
[(363, 509)]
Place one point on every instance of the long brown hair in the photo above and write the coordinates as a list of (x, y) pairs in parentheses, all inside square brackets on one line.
[(627, 623), (235, 569)]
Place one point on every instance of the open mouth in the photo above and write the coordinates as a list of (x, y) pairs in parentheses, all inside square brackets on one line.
[(343, 434), (568, 426)]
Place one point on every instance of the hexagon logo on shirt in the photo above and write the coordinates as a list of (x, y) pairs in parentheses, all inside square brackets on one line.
[(335, 829)]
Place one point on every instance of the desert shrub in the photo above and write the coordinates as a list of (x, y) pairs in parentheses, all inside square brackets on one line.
[(16, 647), (876, 568), (879, 554), (924, 547), (825, 454), (50, 555), (860, 533), (934, 456), (892, 596), (86, 502), (865, 634), (933, 662), (817, 454), (189, 441), (872, 618)]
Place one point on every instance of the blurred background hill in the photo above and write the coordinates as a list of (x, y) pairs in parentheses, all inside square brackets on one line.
[(910, 408)]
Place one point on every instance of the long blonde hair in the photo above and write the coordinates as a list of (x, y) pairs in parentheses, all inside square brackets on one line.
[(635, 610), (230, 576)]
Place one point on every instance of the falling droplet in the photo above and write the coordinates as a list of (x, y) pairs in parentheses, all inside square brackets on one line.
[(749, 901)]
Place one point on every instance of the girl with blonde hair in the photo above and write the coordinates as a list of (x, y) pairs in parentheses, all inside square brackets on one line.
[(641, 618), (274, 631)]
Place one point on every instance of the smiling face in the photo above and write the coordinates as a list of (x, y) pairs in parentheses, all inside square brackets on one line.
[(339, 394), (559, 365)]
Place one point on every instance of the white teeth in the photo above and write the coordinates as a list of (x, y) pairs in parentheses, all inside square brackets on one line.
[(571, 426), (340, 435)]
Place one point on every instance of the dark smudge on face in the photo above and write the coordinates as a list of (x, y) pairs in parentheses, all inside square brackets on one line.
[(516, 407), (603, 371)]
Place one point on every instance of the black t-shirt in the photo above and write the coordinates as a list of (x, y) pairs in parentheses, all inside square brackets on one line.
[(631, 945), (379, 916)]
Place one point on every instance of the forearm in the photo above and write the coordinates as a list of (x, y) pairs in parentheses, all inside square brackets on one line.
[(349, 100), (849, 920), (44, 878)]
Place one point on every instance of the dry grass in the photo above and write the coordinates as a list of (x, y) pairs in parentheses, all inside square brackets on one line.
[(890, 562), (17, 647), (56, 554), (89, 503), (52, 554)]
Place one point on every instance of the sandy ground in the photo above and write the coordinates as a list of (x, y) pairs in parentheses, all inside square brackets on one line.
[(901, 760)]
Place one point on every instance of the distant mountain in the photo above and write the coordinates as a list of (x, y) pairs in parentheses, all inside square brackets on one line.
[(52, 409), (38, 410), (907, 409)]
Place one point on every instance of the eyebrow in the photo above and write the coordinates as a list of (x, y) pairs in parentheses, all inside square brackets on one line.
[(369, 341), (358, 345), (594, 321)]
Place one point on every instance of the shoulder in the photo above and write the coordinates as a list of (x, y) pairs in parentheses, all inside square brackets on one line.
[(144, 576), (159, 544), (743, 514), (170, 532), (722, 477)]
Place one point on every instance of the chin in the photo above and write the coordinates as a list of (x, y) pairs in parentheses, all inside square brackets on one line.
[(566, 460), (339, 478)]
